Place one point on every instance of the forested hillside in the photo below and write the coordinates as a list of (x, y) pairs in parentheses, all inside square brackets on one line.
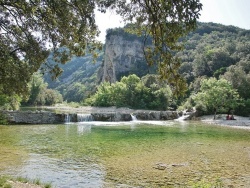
[(212, 50), (79, 78), (217, 58)]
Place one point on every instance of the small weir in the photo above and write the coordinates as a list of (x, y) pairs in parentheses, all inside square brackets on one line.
[(84, 117), (67, 118), (182, 118)]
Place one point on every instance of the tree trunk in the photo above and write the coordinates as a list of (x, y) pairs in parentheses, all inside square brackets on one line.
[(215, 111)]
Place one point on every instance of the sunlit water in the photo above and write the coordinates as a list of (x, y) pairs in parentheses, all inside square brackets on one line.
[(136, 153)]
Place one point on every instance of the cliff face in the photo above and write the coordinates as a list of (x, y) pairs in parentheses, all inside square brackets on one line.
[(123, 57)]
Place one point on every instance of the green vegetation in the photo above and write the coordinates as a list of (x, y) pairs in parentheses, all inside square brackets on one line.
[(3, 119), (211, 51), (31, 30), (5, 182), (214, 96), (79, 78), (40, 94), (166, 22), (205, 184), (221, 52), (185, 53), (145, 93), (9, 102)]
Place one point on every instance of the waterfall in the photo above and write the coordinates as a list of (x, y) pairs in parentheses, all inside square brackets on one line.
[(183, 118), (133, 117), (67, 118), (84, 117)]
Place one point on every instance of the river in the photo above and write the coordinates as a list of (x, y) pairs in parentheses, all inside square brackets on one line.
[(127, 154)]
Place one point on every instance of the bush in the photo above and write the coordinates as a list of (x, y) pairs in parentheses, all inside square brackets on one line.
[(3, 119)]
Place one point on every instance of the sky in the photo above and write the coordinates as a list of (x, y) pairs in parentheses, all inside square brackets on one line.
[(226, 12)]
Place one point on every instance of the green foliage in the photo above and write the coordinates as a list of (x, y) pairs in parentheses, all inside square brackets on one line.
[(126, 35), (214, 50), (28, 27), (9, 102), (131, 91), (217, 95), (40, 94), (3, 119), (4, 182), (244, 109), (239, 79), (176, 19), (78, 80), (204, 184)]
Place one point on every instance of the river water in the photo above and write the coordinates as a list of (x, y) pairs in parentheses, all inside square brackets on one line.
[(127, 154)]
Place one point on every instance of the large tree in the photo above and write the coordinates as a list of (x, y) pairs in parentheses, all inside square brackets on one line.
[(28, 27), (31, 29), (217, 95)]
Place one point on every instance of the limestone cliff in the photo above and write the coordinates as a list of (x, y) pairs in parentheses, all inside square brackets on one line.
[(123, 55)]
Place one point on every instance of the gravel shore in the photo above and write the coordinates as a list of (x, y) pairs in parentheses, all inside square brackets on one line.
[(239, 122)]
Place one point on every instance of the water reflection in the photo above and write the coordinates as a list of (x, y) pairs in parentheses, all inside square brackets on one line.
[(75, 154), (83, 129)]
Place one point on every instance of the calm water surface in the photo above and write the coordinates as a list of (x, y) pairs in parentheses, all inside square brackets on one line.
[(152, 154)]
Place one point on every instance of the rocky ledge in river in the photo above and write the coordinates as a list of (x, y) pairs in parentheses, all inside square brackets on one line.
[(46, 117)]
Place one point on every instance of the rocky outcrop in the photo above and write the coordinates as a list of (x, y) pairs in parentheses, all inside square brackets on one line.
[(120, 56), (156, 115), (111, 116), (38, 117), (139, 115), (123, 56)]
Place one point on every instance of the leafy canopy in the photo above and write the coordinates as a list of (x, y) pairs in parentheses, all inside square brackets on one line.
[(145, 93), (30, 28), (217, 95)]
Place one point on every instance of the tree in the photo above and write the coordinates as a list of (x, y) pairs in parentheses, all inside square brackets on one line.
[(166, 21), (36, 85), (239, 80), (28, 27), (39, 94), (134, 93), (217, 95)]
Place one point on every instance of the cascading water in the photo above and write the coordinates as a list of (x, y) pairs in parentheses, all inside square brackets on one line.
[(67, 118), (183, 118), (84, 117), (133, 117)]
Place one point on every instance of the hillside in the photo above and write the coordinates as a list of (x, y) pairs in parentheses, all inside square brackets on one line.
[(209, 51), (79, 78), (212, 48)]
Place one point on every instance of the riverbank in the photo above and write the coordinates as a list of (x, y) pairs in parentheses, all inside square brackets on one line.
[(239, 122)]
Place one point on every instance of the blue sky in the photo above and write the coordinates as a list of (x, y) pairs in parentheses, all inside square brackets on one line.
[(226, 12)]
